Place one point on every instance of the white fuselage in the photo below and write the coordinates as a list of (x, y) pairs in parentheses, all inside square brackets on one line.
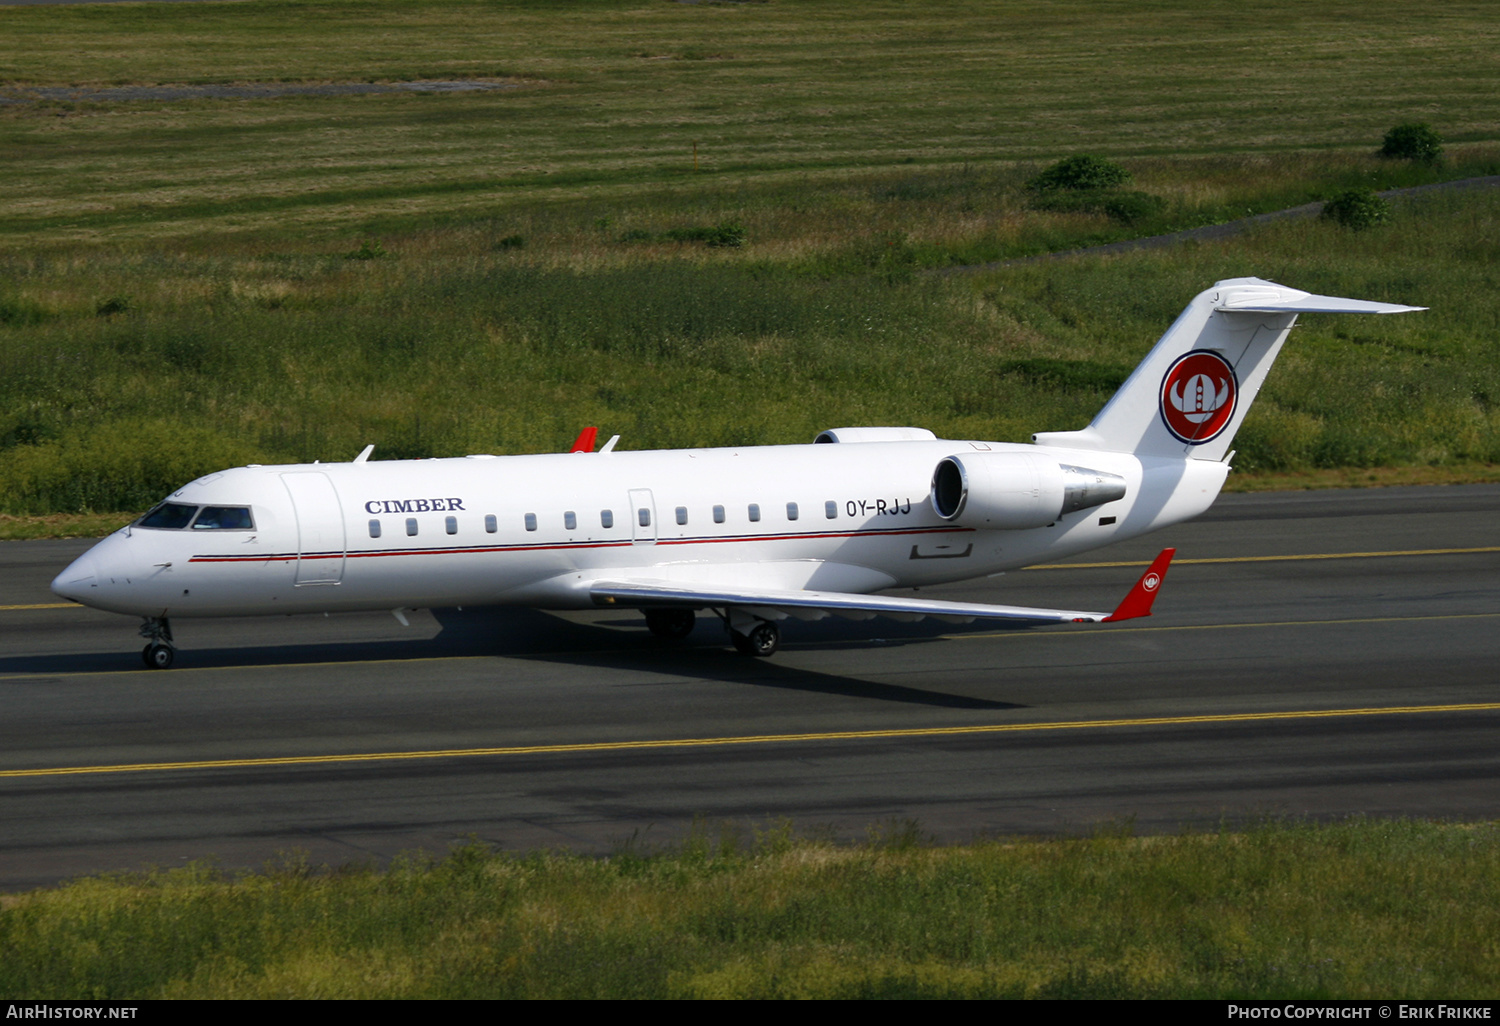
[(485, 530)]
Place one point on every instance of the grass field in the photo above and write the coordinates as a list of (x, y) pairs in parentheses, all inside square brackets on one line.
[(621, 90), (1362, 909), (181, 282)]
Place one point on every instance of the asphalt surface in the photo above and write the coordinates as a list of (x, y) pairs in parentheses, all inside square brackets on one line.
[(351, 738)]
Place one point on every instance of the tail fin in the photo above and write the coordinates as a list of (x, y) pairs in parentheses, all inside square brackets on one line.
[(1191, 393)]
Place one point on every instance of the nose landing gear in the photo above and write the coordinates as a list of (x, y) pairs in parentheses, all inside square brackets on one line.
[(158, 653)]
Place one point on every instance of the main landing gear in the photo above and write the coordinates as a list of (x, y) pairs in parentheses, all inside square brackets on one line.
[(761, 640), (750, 635), (158, 653)]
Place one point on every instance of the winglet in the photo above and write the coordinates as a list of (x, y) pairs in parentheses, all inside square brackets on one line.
[(1138, 602), (585, 440)]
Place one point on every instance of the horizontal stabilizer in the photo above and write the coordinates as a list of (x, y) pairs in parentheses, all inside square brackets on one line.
[(811, 605), (1315, 304)]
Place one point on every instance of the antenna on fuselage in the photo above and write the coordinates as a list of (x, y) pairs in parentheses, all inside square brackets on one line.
[(609, 445), (365, 453)]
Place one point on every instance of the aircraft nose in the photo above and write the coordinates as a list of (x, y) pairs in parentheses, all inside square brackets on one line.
[(77, 580)]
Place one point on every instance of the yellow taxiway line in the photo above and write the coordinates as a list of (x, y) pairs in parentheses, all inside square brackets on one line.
[(752, 739)]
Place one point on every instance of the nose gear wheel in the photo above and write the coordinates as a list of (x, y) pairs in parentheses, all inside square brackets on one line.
[(158, 653), (158, 656)]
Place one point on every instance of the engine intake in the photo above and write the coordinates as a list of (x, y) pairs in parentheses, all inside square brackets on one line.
[(1017, 490)]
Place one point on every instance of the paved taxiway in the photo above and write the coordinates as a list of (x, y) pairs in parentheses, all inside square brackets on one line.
[(351, 738)]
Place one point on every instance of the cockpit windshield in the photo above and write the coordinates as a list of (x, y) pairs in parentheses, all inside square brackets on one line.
[(174, 516), (168, 516), (224, 518)]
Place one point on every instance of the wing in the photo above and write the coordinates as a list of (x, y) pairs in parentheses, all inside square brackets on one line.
[(814, 605)]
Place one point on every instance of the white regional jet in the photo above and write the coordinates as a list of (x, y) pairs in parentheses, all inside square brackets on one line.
[(754, 534)]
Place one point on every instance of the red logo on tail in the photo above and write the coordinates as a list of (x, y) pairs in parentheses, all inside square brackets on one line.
[(1198, 396)]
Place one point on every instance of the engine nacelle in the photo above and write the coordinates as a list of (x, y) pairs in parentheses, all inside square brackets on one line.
[(1016, 490)]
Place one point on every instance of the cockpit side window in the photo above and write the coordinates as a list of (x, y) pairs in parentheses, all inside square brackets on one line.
[(169, 516), (224, 518)]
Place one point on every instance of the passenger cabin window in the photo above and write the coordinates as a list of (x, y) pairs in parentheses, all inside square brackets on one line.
[(791, 511), (606, 518), (411, 527), (531, 521), (831, 510), (224, 518), (374, 528), (491, 525), (754, 512), (570, 520), (451, 525), (681, 515), (169, 516), (718, 514), (644, 515)]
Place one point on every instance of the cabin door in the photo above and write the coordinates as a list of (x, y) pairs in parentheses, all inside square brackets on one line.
[(320, 527)]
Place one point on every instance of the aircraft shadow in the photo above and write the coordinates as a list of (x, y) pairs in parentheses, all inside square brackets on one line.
[(729, 667), (617, 643), (707, 655)]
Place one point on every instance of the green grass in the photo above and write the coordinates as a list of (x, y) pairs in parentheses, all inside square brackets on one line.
[(452, 343), (795, 91), (191, 284), (1358, 909)]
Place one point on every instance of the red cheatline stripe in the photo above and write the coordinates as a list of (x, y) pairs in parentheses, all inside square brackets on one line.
[(284, 557)]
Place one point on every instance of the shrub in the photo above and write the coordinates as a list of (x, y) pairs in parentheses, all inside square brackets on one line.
[(727, 233), (111, 306), (1413, 142), (370, 249), (511, 242), (1357, 209), (1081, 172)]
